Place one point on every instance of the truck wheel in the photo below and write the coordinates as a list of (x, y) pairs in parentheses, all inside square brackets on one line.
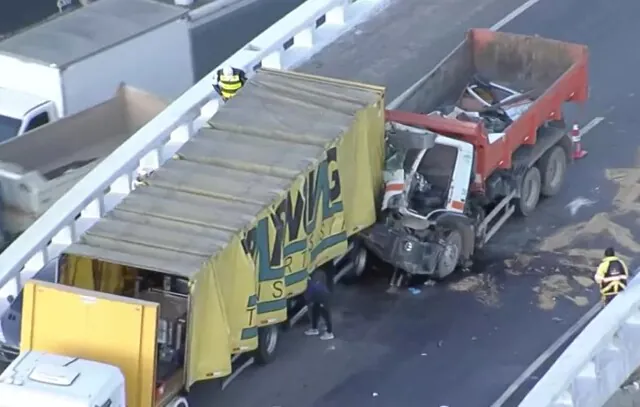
[(553, 167), (357, 258), (529, 192), (450, 257), (267, 344)]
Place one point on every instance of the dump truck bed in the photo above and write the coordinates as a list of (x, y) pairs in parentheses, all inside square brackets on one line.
[(40, 166), (548, 72), (285, 172)]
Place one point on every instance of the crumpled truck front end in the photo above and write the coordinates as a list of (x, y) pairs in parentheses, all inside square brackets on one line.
[(401, 250)]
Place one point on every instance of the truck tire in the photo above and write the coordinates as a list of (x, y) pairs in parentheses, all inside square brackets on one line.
[(449, 259), (358, 258), (553, 168), (267, 344), (529, 192)]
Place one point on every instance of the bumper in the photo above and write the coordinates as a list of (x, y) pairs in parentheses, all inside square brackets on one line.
[(401, 250)]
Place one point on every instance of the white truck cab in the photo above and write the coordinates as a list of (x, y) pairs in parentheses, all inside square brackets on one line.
[(21, 112), (399, 179), (43, 379)]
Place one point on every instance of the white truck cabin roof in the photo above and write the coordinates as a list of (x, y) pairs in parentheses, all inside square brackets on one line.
[(42, 379), (73, 36)]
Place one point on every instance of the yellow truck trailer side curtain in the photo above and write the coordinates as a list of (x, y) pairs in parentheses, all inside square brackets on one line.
[(308, 227), (362, 161), (333, 201), (223, 314), (246, 285), (80, 323)]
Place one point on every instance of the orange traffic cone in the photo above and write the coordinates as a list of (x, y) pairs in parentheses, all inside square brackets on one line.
[(576, 139)]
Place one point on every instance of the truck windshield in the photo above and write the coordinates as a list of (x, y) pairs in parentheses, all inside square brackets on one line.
[(9, 128)]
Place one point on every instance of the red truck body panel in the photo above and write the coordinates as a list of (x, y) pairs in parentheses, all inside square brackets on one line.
[(554, 72)]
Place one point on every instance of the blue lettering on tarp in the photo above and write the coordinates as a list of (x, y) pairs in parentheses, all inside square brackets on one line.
[(321, 189)]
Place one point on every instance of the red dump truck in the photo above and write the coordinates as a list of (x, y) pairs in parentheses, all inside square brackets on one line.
[(478, 138)]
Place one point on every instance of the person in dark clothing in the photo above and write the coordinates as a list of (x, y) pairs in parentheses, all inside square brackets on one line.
[(317, 296)]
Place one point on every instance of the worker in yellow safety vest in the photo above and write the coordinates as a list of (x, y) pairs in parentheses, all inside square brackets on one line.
[(612, 276), (228, 81)]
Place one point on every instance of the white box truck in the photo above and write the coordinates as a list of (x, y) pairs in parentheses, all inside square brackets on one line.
[(78, 60)]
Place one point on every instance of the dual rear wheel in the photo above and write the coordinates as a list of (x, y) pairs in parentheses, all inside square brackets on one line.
[(545, 178)]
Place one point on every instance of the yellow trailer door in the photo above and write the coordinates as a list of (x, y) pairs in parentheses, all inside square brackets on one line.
[(96, 326)]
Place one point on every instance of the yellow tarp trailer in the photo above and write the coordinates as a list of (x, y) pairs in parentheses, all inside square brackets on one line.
[(285, 172)]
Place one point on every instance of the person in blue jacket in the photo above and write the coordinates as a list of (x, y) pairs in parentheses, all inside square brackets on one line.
[(317, 296)]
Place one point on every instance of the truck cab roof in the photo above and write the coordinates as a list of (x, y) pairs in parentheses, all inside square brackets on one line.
[(16, 104), (71, 37), (38, 378)]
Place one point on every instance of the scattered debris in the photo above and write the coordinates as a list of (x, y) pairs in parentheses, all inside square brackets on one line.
[(497, 106), (414, 291), (557, 286), (628, 197), (375, 394), (584, 281), (440, 343), (484, 287), (423, 354), (600, 225)]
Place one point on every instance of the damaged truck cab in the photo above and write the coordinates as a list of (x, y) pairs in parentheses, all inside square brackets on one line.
[(426, 185), (481, 137)]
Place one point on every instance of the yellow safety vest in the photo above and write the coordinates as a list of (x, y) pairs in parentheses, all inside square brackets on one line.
[(229, 85), (613, 276)]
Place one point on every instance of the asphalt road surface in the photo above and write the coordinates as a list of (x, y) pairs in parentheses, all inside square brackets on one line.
[(217, 40), (17, 14), (461, 343)]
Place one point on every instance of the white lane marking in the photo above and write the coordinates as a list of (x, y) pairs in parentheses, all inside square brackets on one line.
[(593, 123), (515, 13), (544, 356)]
